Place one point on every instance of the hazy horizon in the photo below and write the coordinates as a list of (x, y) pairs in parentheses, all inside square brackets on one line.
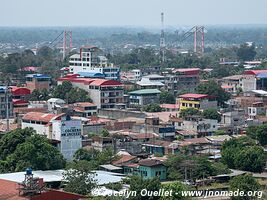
[(134, 13)]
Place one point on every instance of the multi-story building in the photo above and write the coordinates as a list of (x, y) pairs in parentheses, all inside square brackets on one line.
[(84, 109), (238, 83), (178, 80), (38, 81), (259, 79), (61, 128), (144, 97), (3, 102), (132, 76), (197, 101), (20, 96), (91, 59), (197, 124), (104, 93)]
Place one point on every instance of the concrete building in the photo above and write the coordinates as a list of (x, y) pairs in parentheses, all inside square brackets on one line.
[(61, 128), (89, 59), (131, 76), (147, 83), (144, 97), (197, 101), (259, 79), (197, 124), (104, 93), (238, 83), (54, 103), (3, 102), (233, 119), (38, 81), (102, 143), (84, 109), (257, 108), (178, 80), (20, 96), (147, 168)]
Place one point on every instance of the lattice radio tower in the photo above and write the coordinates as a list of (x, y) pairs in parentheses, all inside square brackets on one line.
[(162, 40)]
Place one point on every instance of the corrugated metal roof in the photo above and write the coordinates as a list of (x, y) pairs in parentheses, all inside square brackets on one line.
[(102, 177), (145, 91)]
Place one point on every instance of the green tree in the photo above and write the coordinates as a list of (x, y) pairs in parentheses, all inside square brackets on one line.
[(189, 112), (36, 152), (258, 133), (242, 153), (137, 184), (220, 132), (85, 154), (79, 178), (244, 183), (213, 89), (105, 133), (211, 113), (94, 157), (152, 108), (246, 52), (66, 92), (39, 95), (62, 90), (10, 141), (167, 97), (45, 52)]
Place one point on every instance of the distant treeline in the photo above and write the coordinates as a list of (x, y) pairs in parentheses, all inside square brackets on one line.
[(106, 37)]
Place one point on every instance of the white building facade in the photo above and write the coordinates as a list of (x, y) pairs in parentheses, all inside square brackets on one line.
[(90, 59), (56, 127)]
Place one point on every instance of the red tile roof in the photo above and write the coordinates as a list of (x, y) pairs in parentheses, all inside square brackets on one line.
[(20, 91), (197, 96), (8, 191), (19, 102), (90, 81), (194, 141), (26, 110), (58, 195), (123, 159), (38, 116), (254, 72)]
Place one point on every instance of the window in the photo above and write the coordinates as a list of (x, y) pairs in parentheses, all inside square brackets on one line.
[(158, 173)]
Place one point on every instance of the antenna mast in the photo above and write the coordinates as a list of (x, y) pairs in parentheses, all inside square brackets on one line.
[(162, 40)]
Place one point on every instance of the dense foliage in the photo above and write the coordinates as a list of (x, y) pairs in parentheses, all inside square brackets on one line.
[(167, 97), (137, 184), (94, 157), (153, 107), (244, 183), (243, 153), (258, 133), (23, 148), (189, 112), (211, 113), (182, 167), (70, 94), (79, 178), (213, 89)]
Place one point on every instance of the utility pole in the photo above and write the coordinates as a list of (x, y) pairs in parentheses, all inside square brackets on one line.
[(162, 40)]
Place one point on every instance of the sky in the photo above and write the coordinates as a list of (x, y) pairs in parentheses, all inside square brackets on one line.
[(131, 12)]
